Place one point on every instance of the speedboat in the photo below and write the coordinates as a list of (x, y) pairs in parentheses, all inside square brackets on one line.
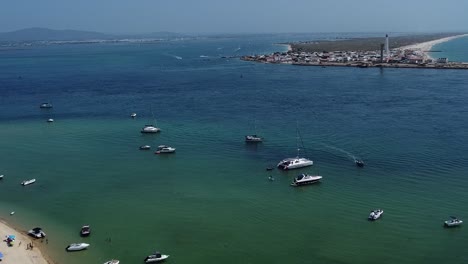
[(85, 231), (148, 129), (375, 214), (36, 232), (27, 182), (305, 179), (253, 138), (294, 163), (156, 257), (453, 222), (77, 247), (112, 261), (50, 120), (359, 163), (164, 149), (46, 105), (145, 147), (133, 115)]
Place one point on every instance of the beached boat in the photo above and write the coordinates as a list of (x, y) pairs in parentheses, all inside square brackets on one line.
[(145, 147), (164, 149), (156, 257), (112, 261), (77, 247), (305, 179), (453, 221), (45, 105), (297, 162), (375, 214), (27, 182), (36, 232), (50, 120), (85, 231)]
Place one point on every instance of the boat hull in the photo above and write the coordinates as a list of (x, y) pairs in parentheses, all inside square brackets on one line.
[(305, 183), (77, 247), (154, 260)]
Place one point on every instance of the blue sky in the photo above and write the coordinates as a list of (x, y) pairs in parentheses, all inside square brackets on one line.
[(236, 16)]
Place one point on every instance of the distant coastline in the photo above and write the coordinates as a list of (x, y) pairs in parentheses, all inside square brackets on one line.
[(403, 52)]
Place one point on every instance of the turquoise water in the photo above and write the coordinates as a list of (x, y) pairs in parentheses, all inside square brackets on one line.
[(211, 201), (454, 50)]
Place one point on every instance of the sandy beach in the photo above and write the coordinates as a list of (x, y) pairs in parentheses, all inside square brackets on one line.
[(427, 46), (18, 253)]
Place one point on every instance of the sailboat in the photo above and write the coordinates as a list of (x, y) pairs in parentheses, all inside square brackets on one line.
[(150, 128), (253, 138), (297, 162)]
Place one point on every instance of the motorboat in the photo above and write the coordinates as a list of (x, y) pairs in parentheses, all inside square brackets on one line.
[(375, 214), (133, 115), (85, 231), (359, 163), (50, 120), (1, 177), (453, 221), (305, 179), (164, 149), (269, 168), (156, 257), (36, 232), (46, 105), (77, 247), (27, 182), (145, 147), (12, 213), (148, 129), (112, 261), (253, 138), (294, 163)]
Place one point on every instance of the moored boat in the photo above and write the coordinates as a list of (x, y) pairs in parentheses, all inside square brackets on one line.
[(1, 177), (305, 179), (453, 221), (145, 147), (156, 257), (294, 163), (253, 138), (85, 231), (149, 129), (50, 120), (36, 232), (77, 247), (45, 105), (164, 149), (112, 261), (375, 214), (133, 115), (27, 182)]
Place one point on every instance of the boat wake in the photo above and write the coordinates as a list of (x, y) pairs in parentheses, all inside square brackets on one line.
[(237, 49), (347, 153), (204, 56)]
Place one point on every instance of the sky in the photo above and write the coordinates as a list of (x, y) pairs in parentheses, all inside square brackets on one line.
[(236, 16)]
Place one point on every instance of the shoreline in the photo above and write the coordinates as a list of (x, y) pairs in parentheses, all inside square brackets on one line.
[(18, 253), (427, 46)]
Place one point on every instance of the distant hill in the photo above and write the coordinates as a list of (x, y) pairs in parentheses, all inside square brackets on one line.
[(34, 34), (45, 34)]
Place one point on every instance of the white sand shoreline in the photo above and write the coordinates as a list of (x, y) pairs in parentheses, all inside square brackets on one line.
[(18, 253), (427, 46)]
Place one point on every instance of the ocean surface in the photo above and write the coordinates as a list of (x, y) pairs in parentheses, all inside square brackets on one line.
[(454, 50), (211, 201)]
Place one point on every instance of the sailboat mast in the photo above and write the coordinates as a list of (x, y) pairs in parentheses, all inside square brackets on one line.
[(297, 138)]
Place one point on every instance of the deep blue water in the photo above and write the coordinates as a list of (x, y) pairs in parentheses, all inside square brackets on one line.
[(211, 201)]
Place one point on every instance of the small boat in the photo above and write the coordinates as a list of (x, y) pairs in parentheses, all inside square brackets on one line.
[(50, 120), (12, 213), (359, 163), (375, 214), (1, 177), (148, 129), (156, 257), (453, 221), (253, 138), (46, 105), (112, 261), (133, 115), (269, 168), (77, 247), (27, 182), (305, 179), (85, 231), (164, 149), (145, 147), (36, 232)]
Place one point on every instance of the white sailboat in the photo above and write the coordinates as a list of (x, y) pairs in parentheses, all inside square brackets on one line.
[(253, 138), (150, 128), (297, 162)]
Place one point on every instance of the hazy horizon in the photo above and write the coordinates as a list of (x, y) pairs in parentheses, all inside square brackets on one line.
[(242, 16)]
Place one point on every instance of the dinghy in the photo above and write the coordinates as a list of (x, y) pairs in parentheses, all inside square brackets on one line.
[(77, 247)]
